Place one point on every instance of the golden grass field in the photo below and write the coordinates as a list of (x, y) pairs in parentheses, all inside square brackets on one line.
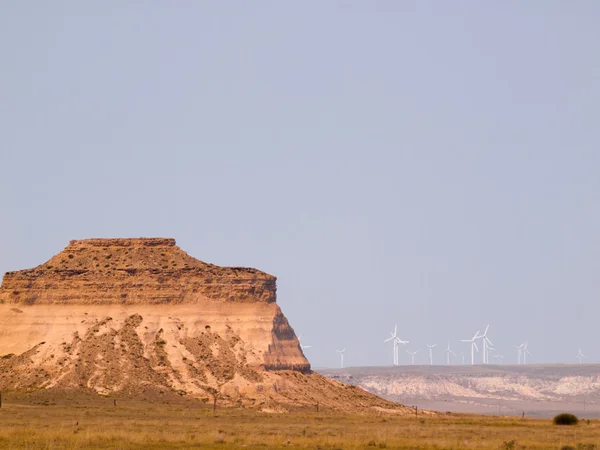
[(99, 424)]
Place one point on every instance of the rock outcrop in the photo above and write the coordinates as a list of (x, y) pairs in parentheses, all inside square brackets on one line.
[(138, 315), (133, 272)]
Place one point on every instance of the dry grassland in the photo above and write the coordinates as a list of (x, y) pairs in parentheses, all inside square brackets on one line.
[(158, 426)]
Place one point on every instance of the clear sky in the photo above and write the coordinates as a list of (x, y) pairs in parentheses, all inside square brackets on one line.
[(430, 164)]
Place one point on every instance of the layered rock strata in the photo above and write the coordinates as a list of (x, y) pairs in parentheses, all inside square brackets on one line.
[(133, 272), (105, 313), (135, 316)]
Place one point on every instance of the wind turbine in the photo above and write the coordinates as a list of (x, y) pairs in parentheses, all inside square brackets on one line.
[(525, 353), (519, 352), (499, 357), (448, 351), (341, 352), (396, 341), (462, 355), (413, 355), (486, 346), (395, 348), (431, 353), (473, 345), (580, 356)]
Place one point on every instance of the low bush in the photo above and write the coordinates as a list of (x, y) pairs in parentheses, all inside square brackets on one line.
[(565, 419)]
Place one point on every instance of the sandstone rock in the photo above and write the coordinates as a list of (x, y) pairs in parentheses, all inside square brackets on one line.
[(135, 315), (130, 272)]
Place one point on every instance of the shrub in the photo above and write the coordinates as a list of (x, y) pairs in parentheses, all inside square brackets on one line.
[(565, 419)]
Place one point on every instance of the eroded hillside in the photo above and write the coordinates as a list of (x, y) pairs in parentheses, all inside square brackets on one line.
[(138, 315)]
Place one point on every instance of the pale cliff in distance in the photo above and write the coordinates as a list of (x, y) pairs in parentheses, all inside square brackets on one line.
[(139, 315)]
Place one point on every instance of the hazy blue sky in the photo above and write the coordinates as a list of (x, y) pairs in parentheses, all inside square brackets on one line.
[(430, 164)]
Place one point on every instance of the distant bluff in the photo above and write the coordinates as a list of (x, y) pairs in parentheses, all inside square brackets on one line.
[(138, 271)]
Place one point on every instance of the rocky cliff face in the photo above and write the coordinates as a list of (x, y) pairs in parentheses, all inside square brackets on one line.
[(133, 272), (140, 315), (110, 313)]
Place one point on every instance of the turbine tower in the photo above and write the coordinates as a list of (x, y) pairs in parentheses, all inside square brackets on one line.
[(412, 354), (525, 352), (519, 352), (341, 352), (431, 353), (396, 341), (486, 346), (580, 356), (448, 352), (473, 345)]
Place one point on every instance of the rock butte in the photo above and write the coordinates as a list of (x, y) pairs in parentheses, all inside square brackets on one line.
[(137, 316)]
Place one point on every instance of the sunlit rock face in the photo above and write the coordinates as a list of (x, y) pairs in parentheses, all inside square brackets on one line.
[(125, 314)]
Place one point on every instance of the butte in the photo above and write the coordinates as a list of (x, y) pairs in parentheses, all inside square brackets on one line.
[(141, 318)]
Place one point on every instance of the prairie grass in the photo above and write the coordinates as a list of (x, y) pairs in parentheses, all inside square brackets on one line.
[(158, 426)]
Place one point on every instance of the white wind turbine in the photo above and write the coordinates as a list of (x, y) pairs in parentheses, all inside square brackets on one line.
[(448, 352), (431, 353), (462, 355), (396, 341), (341, 352), (580, 356), (486, 346), (473, 345), (525, 353), (499, 358), (412, 354), (519, 352)]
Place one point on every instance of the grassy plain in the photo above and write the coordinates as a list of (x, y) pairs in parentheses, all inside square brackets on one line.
[(157, 425)]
